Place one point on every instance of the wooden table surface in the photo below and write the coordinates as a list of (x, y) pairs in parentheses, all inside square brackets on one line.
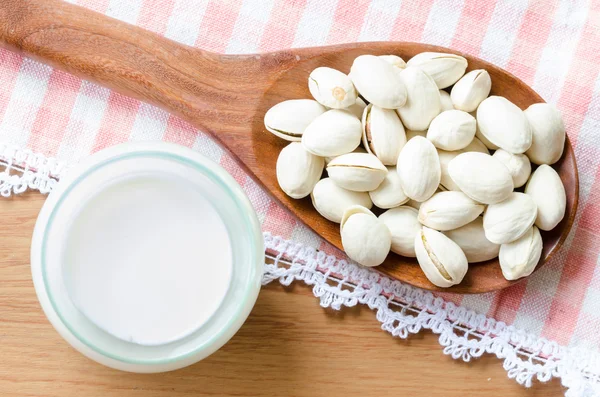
[(289, 346)]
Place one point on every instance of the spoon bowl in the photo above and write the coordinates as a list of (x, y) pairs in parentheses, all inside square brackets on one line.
[(481, 277)]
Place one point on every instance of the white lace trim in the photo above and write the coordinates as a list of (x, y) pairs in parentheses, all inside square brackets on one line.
[(401, 309), (24, 170), (404, 310)]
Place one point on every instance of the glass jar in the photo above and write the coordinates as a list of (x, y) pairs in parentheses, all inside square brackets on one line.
[(76, 192)]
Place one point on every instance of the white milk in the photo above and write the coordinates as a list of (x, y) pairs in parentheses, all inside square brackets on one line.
[(148, 260)]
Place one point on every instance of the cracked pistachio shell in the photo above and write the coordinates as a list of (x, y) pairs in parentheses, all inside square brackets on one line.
[(394, 60), (333, 133), (518, 165), (423, 99), (383, 133), (548, 133), (365, 238), (359, 172), (548, 192), (419, 169), (471, 90), (471, 239), (504, 124), (358, 108), (520, 257), (449, 210), (404, 226), (389, 193), (452, 130), (331, 88), (510, 219), (411, 134), (440, 258), (446, 101), (378, 81), (298, 171), (331, 201), (289, 119), (445, 69), (481, 177)]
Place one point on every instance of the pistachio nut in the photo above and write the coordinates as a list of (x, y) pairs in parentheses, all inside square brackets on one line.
[(333, 133), (446, 101), (449, 210), (331, 201), (483, 139), (289, 119), (298, 171), (510, 219), (359, 149), (446, 182), (358, 108), (476, 145), (445, 157), (471, 239), (520, 257), (365, 238), (419, 169), (548, 192), (378, 81), (359, 172), (404, 226), (548, 133), (504, 124), (481, 177), (383, 133), (331, 88), (411, 134), (423, 99), (389, 193), (414, 204), (417, 204), (452, 130), (445, 69), (394, 60), (440, 258), (471, 90), (518, 165)]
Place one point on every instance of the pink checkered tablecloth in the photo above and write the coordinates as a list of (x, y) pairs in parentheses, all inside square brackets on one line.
[(552, 45)]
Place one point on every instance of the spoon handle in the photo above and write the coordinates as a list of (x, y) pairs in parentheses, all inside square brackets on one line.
[(213, 91)]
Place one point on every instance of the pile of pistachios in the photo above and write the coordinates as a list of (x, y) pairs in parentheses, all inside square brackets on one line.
[(416, 139)]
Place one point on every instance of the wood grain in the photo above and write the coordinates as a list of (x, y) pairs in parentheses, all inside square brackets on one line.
[(227, 96), (289, 346)]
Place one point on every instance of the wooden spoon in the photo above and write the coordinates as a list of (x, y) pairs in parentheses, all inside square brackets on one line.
[(228, 95)]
